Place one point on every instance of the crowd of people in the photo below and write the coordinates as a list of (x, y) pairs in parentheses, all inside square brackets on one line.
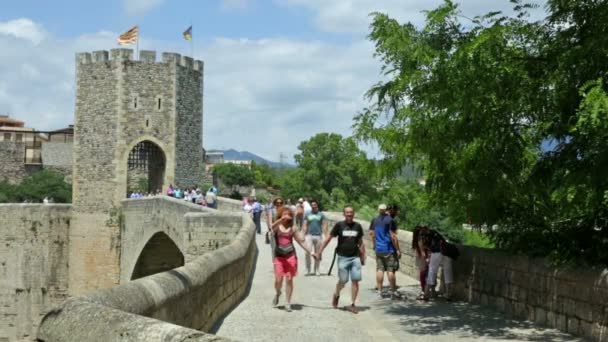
[(194, 195), (305, 224)]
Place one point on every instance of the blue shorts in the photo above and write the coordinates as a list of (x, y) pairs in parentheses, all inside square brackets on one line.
[(349, 267)]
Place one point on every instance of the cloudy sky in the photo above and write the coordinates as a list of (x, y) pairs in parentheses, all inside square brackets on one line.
[(276, 71)]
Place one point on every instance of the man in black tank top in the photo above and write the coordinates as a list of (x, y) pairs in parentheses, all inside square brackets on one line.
[(351, 253)]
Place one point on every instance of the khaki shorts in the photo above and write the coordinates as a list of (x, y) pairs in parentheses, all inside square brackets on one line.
[(387, 262)]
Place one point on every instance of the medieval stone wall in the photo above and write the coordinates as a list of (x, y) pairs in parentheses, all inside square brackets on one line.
[(189, 120), (33, 265), (57, 156), (12, 156)]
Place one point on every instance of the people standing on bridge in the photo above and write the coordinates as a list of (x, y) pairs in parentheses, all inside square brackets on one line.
[(299, 213), (351, 255), (433, 242), (211, 199), (383, 233), (285, 260), (314, 229), (256, 210), (421, 255), (271, 219)]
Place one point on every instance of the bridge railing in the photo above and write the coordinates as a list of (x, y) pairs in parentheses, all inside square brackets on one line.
[(166, 306)]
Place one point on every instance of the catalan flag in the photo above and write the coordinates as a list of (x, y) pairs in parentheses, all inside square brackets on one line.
[(188, 33), (129, 37)]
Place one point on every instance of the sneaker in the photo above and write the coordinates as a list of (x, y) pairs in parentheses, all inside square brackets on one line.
[(334, 301), (275, 300), (288, 307), (318, 274)]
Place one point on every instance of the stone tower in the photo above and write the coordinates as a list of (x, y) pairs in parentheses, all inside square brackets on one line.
[(132, 117)]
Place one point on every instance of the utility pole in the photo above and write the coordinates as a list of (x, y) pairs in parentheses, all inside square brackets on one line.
[(282, 158)]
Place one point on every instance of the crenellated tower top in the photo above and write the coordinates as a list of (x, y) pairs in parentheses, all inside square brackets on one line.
[(145, 56)]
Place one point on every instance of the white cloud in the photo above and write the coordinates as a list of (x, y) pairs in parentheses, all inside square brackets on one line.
[(264, 96), (37, 83), (137, 7), (234, 4), (23, 28), (281, 92), (353, 15)]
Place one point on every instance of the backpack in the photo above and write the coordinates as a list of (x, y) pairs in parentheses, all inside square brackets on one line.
[(449, 250)]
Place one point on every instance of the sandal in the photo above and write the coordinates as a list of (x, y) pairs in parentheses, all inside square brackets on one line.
[(423, 298), (334, 301), (353, 309)]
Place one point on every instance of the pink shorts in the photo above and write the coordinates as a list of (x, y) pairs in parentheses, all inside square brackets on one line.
[(286, 266)]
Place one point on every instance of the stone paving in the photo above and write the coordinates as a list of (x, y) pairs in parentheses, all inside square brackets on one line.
[(406, 319)]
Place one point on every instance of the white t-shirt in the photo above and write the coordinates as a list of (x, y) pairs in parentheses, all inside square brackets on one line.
[(307, 208), (210, 197)]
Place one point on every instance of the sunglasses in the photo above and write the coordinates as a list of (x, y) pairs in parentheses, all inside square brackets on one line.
[(279, 202)]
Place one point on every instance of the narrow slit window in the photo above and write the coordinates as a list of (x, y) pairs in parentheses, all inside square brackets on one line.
[(159, 103), (147, 122), (135, 102)]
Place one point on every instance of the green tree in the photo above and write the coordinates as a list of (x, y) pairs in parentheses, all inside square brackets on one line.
[(472, 106), (331, 169), (45, 183), (8, 192), (264, 174), (234, 175)]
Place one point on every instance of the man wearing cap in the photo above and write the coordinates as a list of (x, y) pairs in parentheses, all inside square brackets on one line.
[(383, 233)]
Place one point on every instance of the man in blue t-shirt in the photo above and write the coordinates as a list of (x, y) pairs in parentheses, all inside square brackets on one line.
[(383, 232)]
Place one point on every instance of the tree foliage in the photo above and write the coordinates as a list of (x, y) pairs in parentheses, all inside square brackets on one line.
[(37, 186), (476, 103), (264, 174), (331, 169), (234, 175)]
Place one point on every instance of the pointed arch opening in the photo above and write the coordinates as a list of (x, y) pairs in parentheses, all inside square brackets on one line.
[(160, 254)]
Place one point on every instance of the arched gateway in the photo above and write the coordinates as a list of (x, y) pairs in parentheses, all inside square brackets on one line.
[(137, 123), (145, 168)]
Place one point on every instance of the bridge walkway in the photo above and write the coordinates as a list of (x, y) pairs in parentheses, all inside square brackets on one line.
[(406, 319)]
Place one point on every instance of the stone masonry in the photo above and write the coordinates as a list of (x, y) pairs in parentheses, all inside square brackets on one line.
[(121, 102), (12, 167)]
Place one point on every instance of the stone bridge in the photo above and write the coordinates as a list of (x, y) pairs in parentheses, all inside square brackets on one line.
[(223, 290)]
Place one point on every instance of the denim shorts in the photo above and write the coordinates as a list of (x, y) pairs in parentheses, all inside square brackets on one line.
[(349, 267)]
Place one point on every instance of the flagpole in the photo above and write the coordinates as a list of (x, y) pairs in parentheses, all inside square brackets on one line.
[(192, 41), (137, 45)]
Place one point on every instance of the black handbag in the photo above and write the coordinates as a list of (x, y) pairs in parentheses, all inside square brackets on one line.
[(282, 251)]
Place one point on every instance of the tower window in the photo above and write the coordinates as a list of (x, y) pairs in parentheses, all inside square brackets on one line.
[(135, 102), (159, 103), (147, 122)]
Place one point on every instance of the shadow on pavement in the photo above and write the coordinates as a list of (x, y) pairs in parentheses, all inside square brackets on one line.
[(466, 320)]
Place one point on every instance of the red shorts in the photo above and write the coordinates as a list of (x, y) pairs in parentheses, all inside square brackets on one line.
[(286, 266)]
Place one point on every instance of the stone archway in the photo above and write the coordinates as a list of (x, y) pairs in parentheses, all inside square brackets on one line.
[(146, 166), (160, 254)]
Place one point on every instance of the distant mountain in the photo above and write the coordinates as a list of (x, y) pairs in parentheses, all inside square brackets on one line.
[(232, 154)]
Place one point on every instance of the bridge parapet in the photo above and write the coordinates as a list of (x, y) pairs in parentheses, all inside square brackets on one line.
[(193, 296)]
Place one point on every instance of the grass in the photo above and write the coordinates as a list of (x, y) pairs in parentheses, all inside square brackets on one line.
[(477, 239)]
